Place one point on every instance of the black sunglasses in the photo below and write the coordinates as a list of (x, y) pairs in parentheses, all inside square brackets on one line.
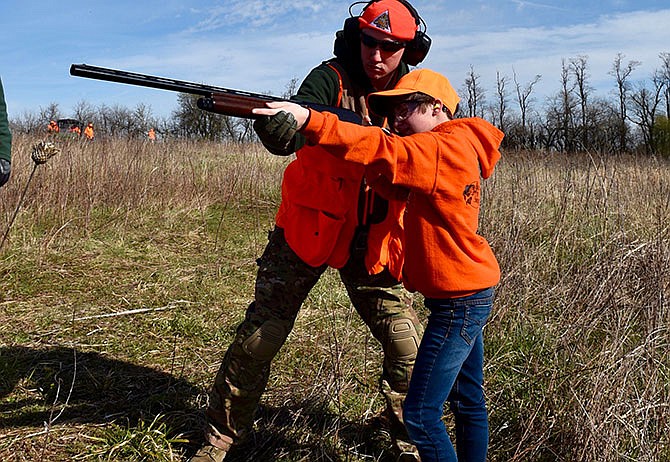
[(384, 45)]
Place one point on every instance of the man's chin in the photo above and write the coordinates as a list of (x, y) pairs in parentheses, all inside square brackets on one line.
[(376, 74)]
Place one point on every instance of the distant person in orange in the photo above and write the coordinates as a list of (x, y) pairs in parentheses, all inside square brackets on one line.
[(88, 131), (152, 135), (52, 128), (76, 130)]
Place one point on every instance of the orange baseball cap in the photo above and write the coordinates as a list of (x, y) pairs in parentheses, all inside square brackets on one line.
[(390, 17), (419, 80)]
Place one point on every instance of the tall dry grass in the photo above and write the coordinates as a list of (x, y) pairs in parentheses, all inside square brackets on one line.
[(578, 357), (579, 345), (118, 175)]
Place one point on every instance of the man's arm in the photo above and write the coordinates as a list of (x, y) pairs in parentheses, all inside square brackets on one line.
[(278, 134), (5, 140)]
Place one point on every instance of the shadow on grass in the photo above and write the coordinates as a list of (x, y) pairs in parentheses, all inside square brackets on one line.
[(308, 431), (35, 386), (35, 382)]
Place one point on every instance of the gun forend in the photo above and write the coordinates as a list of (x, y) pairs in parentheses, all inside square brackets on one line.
[(231, 104)]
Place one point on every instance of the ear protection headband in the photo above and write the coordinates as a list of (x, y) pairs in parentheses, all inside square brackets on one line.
[(416, 49)]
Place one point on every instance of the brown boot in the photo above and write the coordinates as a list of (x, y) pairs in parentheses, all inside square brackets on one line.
[(405, 452), (209, 453), (403, 449)]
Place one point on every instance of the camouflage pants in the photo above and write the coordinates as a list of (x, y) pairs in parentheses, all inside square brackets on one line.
[(282, 284)]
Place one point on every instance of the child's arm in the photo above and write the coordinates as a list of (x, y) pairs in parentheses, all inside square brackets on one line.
[(383, 154)]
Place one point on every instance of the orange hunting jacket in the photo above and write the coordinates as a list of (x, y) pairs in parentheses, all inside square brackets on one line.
[(321, 193), (444, 255), (319, 209)]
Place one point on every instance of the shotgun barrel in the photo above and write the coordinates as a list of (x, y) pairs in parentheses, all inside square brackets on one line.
[(219, 100)]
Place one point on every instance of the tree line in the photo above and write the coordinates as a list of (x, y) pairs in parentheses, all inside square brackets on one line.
[(573, 119)]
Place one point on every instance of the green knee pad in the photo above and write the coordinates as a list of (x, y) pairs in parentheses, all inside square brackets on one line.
[(402, 340), (266, 341)]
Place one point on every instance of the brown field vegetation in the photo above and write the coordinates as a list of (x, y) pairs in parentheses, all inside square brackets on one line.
[(129, 265)]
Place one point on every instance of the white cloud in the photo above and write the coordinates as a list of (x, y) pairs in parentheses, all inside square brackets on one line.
[(639, 36), (260, 45)]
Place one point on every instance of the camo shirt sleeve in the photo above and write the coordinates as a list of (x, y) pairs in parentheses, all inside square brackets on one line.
[(5, 134)]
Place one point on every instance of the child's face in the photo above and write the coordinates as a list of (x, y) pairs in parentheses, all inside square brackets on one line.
[(411, 117)]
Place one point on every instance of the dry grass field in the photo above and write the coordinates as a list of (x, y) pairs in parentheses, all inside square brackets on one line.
[(129, 265)]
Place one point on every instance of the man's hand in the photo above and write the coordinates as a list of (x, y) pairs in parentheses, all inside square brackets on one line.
[(300, 113), (5, 170), (277, 132)]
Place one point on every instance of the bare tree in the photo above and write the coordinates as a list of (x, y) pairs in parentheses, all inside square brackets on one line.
[(237, 129), (27, 122), (475, 94), (143, 119), (190, 121), (524, 99), (51, 112), (665, 75), (566, 109), (645, 102), (85, 112), (603, 125), (115, 120), (579, 68), (621, 74), (291, 88), (502, 94)]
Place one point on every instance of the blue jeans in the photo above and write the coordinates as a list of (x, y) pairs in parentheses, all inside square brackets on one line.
[(450, 367)]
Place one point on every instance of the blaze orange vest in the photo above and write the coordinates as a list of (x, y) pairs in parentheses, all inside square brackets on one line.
[(319, 211)]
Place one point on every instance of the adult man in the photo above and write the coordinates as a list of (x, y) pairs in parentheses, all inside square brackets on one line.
[(5, 141), (330, 215)]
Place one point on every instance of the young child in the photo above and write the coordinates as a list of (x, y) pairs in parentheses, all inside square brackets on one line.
[(440, 160)]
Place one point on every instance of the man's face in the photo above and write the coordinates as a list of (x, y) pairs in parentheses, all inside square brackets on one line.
[(380, 56)]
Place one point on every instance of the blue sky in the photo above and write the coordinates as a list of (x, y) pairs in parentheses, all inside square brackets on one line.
[(260, 45)]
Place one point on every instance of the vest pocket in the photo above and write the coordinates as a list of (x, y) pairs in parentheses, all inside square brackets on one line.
[(312, 234)]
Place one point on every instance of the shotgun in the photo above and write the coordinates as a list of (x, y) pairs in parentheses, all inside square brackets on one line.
[(235, 103)]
